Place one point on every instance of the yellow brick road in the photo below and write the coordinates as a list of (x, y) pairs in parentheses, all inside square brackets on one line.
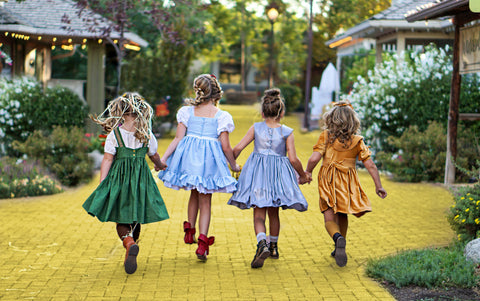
[(50, 249)]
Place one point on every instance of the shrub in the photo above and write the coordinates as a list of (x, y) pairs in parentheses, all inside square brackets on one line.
[(24, 108), (63, 152), (464, 215), (443, 267), (292, 95), (95, 142), (420, 155), (21, 178), (411, 90)]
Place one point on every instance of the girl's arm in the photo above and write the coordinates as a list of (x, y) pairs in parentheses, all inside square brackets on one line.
[(181, 130), (373, 171), (313, 161), (105, 166), (292, 156), (227, 150), (246, 140), (158, 165)]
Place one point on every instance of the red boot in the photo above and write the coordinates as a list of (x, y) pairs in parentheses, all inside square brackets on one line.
[(189, 233), (203, 243), (130, 262)]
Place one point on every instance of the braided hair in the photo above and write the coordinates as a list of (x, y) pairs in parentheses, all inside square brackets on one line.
[(272, 104), (206, 88), (130, 103)]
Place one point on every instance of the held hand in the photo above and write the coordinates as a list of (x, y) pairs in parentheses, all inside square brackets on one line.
[(236, 168), (381, 192), (303, 179), (309, 176), (162, 166)]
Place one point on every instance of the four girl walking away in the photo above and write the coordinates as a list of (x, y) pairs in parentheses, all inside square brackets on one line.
[(268, 180), (128, 194), (338, 185), (197, 158)]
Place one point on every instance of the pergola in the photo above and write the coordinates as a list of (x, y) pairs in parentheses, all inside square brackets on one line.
[(31, 29), (462, 18)]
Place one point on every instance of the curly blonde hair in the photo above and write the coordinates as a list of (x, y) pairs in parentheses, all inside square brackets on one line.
[(272, 103), (130, 103), (342, 123), (206, 88)]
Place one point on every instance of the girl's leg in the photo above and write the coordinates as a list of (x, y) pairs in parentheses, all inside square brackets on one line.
[(124, 231), (262, 252), (333, 230), (204, 205), (192, 211), (259, 215), (343, 223), (274, 221), (193, 207)]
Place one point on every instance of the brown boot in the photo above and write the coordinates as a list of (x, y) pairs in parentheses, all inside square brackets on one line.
[(130, 262)]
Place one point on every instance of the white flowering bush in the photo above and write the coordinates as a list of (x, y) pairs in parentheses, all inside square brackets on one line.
[(26, 107), (403, 92), (400, 99)]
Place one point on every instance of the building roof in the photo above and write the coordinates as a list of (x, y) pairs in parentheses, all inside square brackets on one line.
[(390, 20), (439, 8), (44, 18)]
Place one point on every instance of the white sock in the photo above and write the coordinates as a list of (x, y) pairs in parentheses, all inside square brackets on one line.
[(261, 236), (273, 238)]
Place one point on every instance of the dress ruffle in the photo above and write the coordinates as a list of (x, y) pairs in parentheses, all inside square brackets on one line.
[(268, 181), (199, 164)]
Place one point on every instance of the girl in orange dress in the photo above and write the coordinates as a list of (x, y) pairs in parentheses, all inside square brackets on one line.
[(338, 185)]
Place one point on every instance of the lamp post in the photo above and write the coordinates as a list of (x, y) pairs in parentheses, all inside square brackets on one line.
[(308, 76), (272, 14)]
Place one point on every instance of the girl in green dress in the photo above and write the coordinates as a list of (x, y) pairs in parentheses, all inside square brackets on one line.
[(128, 194)]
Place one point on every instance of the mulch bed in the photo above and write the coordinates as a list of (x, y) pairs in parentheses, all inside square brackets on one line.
[(411, 293)]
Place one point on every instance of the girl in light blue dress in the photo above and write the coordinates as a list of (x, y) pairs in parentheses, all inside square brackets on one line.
[(197, 158), (268, 180)]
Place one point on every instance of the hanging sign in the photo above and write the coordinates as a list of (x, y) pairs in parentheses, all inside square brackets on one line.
[(470, 49)]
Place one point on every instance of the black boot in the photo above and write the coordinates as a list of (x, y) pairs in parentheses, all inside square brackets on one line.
[(273, 248), (261, 254)]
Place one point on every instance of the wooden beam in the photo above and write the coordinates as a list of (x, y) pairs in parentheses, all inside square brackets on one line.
[(469, 116), (95, 81), (453, 110)]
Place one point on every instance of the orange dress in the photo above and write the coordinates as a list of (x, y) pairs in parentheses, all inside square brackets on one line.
[(338, 184)]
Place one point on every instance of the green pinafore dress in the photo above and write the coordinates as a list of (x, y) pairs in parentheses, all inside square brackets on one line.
[(129, 193)]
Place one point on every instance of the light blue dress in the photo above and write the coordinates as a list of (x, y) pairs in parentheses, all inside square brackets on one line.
[(198, 162), (268, 178)]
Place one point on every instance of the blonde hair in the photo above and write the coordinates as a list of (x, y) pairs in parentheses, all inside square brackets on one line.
[(342, 123), (130, 103), (272, 104), (206, 88)]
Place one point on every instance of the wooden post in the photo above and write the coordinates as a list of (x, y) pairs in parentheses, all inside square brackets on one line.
[(453, 110), (378, 53), (95, 81)]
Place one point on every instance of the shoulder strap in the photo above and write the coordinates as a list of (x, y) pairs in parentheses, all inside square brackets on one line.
[(118, 136)]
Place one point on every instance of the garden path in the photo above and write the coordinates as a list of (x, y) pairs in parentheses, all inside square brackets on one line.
[(50, 249)]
